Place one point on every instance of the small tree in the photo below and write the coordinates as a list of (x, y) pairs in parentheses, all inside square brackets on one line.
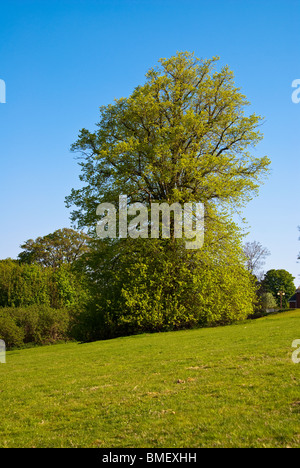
[(281, 284), (268, 301), (255, 255)]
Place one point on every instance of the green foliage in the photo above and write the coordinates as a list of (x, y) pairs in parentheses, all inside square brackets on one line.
[(68, 287), (24, 285), (268, 301), (36, 324), (9, 330), (63, 246), (279, 280), (38, 304), (181, 137), (153, 285)]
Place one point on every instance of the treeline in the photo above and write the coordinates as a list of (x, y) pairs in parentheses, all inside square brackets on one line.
[(35, 324), (100, 289), (111, 289), (24, 285), (39, 304)]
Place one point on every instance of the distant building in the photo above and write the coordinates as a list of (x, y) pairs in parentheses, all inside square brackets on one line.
[(294, 301)]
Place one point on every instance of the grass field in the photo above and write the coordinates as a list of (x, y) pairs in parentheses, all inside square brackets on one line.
[(233, 386)]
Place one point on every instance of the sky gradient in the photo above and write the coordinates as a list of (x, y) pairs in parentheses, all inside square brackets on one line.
[(62, 60)]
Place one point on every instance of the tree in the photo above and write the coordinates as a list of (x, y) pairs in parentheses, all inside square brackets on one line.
[(281, 284), (255, 255), (268, 301), (23, 284), (63, 246), (181, 137)]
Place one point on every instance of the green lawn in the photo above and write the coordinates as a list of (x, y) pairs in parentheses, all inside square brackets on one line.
[(233, 386)]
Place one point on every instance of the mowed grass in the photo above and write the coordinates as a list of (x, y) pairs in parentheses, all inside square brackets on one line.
[(233, 386)]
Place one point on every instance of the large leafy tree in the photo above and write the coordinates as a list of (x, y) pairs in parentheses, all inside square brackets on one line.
[(183, 136), (63, 246)]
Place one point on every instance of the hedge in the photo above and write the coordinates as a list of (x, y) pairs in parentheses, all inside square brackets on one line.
[(36, 324)]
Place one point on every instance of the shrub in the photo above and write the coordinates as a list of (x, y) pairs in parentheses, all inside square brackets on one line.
[(10, 332), (37, 324), (23, 285), (53, 325), (268, 301)]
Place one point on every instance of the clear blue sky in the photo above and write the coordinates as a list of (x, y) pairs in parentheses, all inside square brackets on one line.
[(62, 59)]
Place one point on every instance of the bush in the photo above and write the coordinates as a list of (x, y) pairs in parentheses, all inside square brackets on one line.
[(23, 285), (10, 332), (268, 301), (37, 324), (53, 325)]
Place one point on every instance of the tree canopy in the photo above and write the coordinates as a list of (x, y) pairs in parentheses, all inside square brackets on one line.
[(276, 281), (63, 246), (182, 136)]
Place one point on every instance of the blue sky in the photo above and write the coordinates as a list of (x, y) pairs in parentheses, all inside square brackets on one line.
[(61, 60)]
